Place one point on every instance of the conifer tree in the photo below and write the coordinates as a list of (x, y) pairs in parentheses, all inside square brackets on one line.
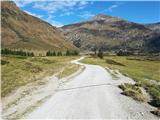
[(100, 54)]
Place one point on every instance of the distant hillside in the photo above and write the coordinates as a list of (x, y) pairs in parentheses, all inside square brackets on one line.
[(112, 33), (154, 26), (21, 30)]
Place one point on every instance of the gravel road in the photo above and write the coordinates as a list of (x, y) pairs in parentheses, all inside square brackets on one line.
[(93, 94)]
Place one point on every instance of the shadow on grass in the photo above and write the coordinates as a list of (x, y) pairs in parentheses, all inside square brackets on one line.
[(155, 103), (109, 61), (156, 112)]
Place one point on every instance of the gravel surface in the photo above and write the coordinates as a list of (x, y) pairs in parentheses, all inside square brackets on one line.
[(92, 94)]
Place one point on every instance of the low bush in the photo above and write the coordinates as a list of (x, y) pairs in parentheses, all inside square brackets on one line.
[(32, 68), (132, 91), (124, 53), (154, 91), (3, 62)]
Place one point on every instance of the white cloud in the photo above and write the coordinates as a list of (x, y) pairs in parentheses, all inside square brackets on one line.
[(51, 20), (22, 3), (56, 23), (82, 4), (86, 15), (112, 7), (116, 5), (68, 13), (33, 14), (65, 6), (54, 6)]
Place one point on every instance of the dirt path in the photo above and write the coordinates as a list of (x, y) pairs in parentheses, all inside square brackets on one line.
[(93, 94)]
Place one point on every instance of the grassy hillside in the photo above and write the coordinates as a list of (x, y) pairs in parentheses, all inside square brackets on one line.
[(21, 30), (145, 71), (18, 71)]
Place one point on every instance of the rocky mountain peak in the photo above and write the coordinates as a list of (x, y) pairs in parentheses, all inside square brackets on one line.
[(106, 18), (103, 17), (111, 33)]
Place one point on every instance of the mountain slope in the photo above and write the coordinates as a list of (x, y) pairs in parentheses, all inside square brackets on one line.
[(21, 30), (154, 26), (112, 33)]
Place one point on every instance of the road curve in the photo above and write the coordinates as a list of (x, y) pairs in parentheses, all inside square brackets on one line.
[(91, 95)]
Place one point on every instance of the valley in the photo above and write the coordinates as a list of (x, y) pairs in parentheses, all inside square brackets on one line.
[(89, 95), (104, 67)]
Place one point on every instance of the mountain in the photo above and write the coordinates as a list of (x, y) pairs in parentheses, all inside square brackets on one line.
[(112, 34), (23, 31), (154, 26)]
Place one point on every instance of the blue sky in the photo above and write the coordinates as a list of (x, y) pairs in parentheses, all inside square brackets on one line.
[(59, 13)]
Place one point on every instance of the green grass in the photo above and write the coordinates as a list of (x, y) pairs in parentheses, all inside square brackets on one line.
[(138, 70), (71, 68), (141, 69), (18, 71), (154, 91), (132, 91)]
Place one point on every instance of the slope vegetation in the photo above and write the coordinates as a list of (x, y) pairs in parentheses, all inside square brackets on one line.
[(21, 30)]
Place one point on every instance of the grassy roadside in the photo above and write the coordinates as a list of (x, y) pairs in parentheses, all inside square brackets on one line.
[(31, 108), (18, 71), (142, 70), (132, 91), (71, 68)]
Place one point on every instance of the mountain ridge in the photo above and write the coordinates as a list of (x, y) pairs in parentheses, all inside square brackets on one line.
[(23, 31), (153, 26), (111, 33)]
